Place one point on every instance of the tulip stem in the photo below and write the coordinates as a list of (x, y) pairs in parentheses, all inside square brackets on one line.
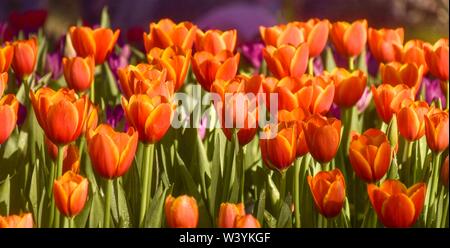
[(92, 92), (351, 63), (71, 222), (59, 174), (146, 180), (282, 189), (297, 167), (108, 192), (51, 178), (311, 66)]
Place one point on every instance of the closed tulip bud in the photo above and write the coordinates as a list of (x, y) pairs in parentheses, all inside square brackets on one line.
[(151, 117), (25, 57), (437, 58), (382, 43), (61, 114), (9, 107), (97, 43), (247, 221), (208, 67), (6, 56), (228, 213), (3, 82), (111, 152), (279, 152), (166, 33), (412, 52), (174, 60), (411, 120), (370, 155), (349, 86), (395, 73), (395, 205), (328, 191), (79, 72), (436, 130), (17, 221), (181, 212), (316, 35), (349, 39), (70, 192), (322, 137), (216, 41), (286, 60), (388, 99), (444, 172)]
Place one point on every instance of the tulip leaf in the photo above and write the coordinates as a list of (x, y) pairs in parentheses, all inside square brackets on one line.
[(122, 205), (112, 85), (82, 218), (362, 61), (260, 205), (269, 219), (5, 189), (33, 195), (40, 209), (42, 52), (155, 212), (188, 182), (330, 64), (11, 145), (215, 191), (105, 21), (97, 211), (285, 216)]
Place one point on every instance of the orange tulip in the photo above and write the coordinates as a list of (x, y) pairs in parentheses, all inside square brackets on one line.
[(25, 57), (174, 60), (395, 205), (9, 107), (52, 149), (279, 152), (286, 60), (70, 192), (181, 212), (247, 221), (444, 172), (3, 82), (382, 43), (208, 67), (316, 35), (228, 213), (395, 73), (145, 79), (328, 191), (91, 117), (322, 137), (370, 155), (349, 86), (166, 33), (237, 108), (71, 160), (61, 114), (388, 99), (412, 52), (151, 117), (436, 130), (349, 39), (79, 72), (6, 57), (97, 43), (437, 59), (216, 41), (298, 116), (111, 152), (24, 220), (411, 120)]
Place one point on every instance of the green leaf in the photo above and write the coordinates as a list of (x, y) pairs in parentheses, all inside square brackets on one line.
[(33, 195), (97, 211), (5, 189), (82, 218), (124, 214), (105, 22), (285, 217), (261, 205), (156, 209), (270, 220), (330, 64), (215, 192)]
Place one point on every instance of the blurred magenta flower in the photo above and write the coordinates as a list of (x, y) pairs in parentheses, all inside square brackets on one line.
[(22, 114), (335, 111), (114, 115), (120, 60), (372, 64), (433, 90), (364, 101), (53, 64), (252, 51)]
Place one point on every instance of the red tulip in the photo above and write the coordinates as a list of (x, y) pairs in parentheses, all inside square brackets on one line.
[(349, 39), (9, 107), (25, 57), (436, 130), (228, 213), (382, 43), (246, 221), (70, 192), (181, 212)]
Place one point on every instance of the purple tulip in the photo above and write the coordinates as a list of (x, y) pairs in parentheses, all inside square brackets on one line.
[(253, 52), (433, 90), (364, 101), (114, 115)]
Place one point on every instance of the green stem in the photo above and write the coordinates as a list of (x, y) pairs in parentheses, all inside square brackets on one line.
[(58, 175), (92, 92), (51, 179), (297, 167), (311, 66), (146, 180), (348, 115), (71, 222), (242, 168), (406, 170), (282, 190), (351, 63), (108, 193)]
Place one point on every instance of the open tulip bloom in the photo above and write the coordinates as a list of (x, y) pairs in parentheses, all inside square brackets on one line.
[(183, 131)]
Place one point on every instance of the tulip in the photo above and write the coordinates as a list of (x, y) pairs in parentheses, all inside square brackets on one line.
[(6, 57), (71, 160), (247, 221), (111, 152), (412, 52), (328, 191), (181, 212), (349, 86), (91, 117), (286, 60), (395, 73), (228, 213), (79, 72), (151, 117), (25, 57), (61, 114), (388, 99), (349, 39), (322, 137), (395, 205), (70, 192), (208, 67), (297, 115), (411, 120), (9, 107), (52, 149), (174, 60), (437, 58), (444, 172), (166, 33), (370, 155), (316, 35), (3, 82), (382, 43), (24, 220), (216, 41), (436, 130), (279, 152), (97, 43)]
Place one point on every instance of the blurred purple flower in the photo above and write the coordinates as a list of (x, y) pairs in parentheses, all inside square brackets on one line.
[(253, 52), (372, 64), (339, 60), (364, 101), (202, 127), (120, 60), (335, 111), (53, 64), (433, 90), (22, 114), (114, 115), (5, 32), (318, 66)]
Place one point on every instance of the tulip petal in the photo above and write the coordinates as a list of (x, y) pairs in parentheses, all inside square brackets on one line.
[(78, 198), (398, 211)]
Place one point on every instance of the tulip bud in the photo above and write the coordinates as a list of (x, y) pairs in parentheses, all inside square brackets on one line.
[(228, 213), (181, 212), (216, 41), (79, 72), (247, 221), (17, 221), (382, 43), (349, 39), (444, 172), (25, 57), (437, 58), (279, 152), (3, 82), (411, 120), (436, 130), (166, 33), (287, 60), (70, 192), (6, 56), (9, 107)]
